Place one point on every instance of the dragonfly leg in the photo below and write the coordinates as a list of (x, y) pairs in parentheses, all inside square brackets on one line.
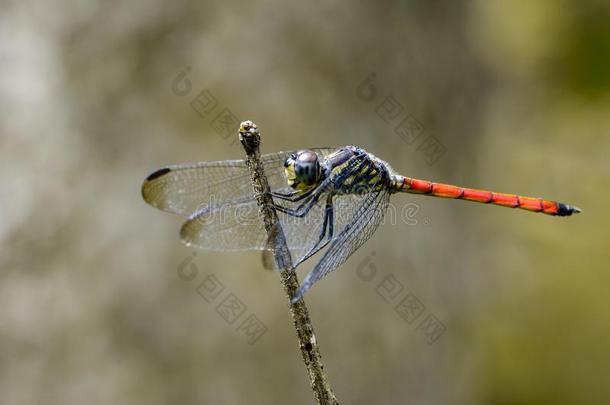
[(312, 197), (293, 196), (305, 206), (327, 225), (302, 209), (328, 184)]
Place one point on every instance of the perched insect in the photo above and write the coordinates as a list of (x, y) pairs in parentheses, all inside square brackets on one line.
[(324, 197)]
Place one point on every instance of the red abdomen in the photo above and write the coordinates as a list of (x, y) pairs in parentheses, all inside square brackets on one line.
[(409, 185)]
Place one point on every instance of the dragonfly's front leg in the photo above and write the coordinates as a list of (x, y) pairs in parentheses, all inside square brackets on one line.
[(327, 225), (293, 196), (312, 197), (302, 209)]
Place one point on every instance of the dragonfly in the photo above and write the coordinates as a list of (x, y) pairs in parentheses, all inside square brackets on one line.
[(330, 199)]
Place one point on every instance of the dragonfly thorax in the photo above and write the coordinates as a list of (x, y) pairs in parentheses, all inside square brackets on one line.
[(302, 169)]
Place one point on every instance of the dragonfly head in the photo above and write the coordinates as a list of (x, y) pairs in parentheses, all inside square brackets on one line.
[(302, 169)]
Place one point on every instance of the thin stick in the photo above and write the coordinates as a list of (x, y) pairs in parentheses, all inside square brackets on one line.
[(249, 137)]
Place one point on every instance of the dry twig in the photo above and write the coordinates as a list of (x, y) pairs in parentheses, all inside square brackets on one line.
[(250, 139)]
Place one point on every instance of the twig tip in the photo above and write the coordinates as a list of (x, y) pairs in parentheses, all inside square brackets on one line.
[(249, 135)]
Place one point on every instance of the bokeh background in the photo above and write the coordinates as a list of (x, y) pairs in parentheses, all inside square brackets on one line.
[(92, 307)]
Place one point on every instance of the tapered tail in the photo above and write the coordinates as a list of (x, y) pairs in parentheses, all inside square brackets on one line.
[(408, 185)]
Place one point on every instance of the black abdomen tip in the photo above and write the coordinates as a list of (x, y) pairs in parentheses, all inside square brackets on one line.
[(565, 210)]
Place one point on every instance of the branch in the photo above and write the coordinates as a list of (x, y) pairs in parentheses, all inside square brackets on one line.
[(250, 140)]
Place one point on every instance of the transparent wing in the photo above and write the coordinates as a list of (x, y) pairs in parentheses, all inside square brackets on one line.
[(233, 226), (182, 189), (364, 221), (237, 225), (303, 233)]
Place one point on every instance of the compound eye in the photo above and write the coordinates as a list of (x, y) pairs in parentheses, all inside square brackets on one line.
[(307, 167)]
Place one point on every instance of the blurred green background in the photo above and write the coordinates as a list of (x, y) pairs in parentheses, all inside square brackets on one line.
[(92, 308)]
